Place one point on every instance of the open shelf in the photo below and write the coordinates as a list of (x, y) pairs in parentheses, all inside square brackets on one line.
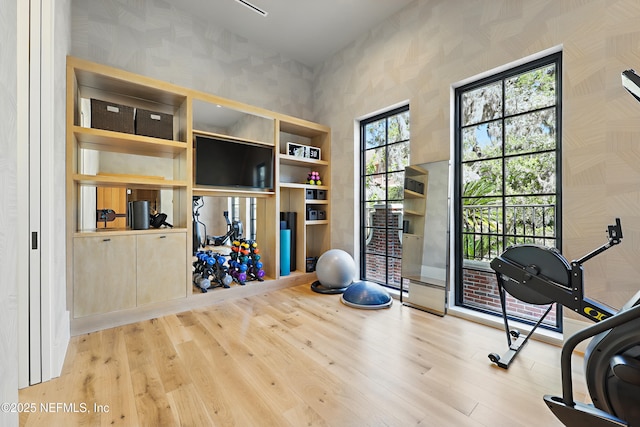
[(117, 142)]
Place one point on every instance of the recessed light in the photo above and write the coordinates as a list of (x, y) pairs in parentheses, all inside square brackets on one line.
[(253, 7)]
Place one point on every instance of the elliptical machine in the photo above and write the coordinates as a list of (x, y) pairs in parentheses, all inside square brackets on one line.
[(234, 232), (612, 370)]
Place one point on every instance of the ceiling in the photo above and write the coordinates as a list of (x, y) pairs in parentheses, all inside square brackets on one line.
[(308, 31)]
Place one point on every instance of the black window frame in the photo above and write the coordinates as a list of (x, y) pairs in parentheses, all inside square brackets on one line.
[(555, 59), (363, 201)]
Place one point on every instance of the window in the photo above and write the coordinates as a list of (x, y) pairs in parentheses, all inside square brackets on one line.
[(384, 155), (507, 177)]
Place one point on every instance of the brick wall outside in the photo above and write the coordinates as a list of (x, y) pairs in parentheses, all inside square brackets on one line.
[(480, 290), (376, 262)]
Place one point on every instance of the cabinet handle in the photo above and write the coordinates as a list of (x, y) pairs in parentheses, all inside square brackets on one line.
[(106, 240), (163, 237)]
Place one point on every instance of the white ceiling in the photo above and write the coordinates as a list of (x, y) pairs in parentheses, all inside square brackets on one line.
[(308, 31)]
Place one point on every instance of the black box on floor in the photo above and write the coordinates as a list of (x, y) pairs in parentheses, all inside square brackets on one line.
[(311, 264), (111, 116), (153, 123)]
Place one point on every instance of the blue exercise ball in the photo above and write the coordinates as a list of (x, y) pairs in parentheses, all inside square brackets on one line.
[(335, 269)]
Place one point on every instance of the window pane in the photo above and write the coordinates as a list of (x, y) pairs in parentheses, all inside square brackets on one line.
[(398, 156), (374, 134), (399, 127), (482, 104), (377, 244), (531, 90), (375, 267), (482, 141), (396, 187), (482, 178), (375, 160), (531, 174), (395, 270), (533, 217), (375, 187), (531, 132)]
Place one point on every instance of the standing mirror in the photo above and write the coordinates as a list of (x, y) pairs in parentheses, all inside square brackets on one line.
[(425, 238)]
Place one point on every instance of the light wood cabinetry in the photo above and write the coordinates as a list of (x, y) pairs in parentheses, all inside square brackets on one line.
[(104, 274), (151, 268), (313, 236), (160, 269)]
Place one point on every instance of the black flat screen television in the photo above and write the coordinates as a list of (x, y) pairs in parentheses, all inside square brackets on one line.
[(224, 163)]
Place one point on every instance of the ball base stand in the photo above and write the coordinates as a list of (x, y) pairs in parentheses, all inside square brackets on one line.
[(319, 288)]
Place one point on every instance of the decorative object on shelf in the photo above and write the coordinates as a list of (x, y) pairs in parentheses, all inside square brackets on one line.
[(245, 264), (159, 219), (108, 215), (313, 178), (153, 123), (111, 116), (303, 151)]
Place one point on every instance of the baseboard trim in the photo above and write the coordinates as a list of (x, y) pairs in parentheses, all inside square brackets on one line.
[(99, 322)]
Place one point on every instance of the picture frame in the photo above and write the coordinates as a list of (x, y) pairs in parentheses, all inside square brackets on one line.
[(303, 151)]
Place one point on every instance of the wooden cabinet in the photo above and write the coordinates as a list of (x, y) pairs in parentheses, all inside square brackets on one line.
[(311, 203), (105, 164), (160, 267), (104, 274), (117, 272)]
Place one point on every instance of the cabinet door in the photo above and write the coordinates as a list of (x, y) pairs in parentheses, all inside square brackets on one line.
[(104, 274), (161, 267)]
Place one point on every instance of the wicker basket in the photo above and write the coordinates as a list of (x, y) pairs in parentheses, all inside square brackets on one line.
[(111, 116), (152, 123)]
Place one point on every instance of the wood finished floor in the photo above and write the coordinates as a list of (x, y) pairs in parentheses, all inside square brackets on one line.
[(293, 357)]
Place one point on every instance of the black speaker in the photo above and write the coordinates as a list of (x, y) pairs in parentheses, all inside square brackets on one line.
[(138, 215), (289, 218)]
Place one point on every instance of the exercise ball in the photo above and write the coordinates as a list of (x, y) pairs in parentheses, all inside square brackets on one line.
[(367, 295), (335, 270)]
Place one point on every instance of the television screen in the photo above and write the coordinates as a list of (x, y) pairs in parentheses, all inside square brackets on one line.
[(223, 163)]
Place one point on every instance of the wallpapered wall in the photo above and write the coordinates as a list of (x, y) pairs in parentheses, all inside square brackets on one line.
[(157, 39), (417, 55), (430, 45)]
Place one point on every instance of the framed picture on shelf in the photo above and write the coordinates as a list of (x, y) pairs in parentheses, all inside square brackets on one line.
[(303, 151)]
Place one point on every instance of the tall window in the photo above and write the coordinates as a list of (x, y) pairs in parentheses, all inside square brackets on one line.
[(384, 155), (507, 176)]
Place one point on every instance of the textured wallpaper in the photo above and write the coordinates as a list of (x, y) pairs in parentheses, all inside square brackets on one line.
[(157, 39), (422, 51)]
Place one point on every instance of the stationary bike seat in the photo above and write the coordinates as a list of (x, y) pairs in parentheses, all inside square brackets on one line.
[(534, 260)]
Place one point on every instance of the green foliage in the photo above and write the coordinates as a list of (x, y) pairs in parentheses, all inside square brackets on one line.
[(525, 176)]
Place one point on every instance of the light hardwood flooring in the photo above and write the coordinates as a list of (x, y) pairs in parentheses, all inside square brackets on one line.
[(292, 357)]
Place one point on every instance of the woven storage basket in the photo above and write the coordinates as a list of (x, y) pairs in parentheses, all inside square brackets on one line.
[(111, 116), (153, 123)]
